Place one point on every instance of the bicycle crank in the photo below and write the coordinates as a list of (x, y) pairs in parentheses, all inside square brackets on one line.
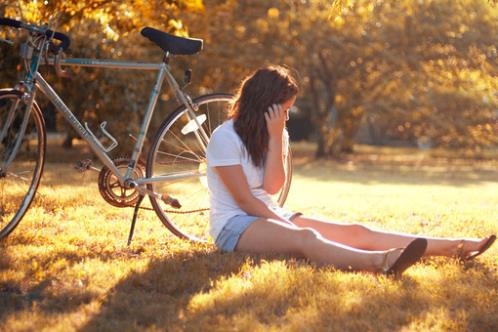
[(112, 191)]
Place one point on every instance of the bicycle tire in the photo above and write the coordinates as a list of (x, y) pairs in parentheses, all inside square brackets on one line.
[(20, 179), (194, 227)]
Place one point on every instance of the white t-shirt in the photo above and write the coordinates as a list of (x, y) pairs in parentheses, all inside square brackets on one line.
[(225, 148)]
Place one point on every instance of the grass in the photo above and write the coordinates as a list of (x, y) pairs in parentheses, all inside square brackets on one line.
[(67, 267)]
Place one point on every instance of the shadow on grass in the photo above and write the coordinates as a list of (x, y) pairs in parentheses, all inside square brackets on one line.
[(16, 297), (407, 303), (158, 296), (392, 309), (161, 296), (142, 298)]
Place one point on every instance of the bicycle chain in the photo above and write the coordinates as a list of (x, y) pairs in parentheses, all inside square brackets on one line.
[(175, 211)]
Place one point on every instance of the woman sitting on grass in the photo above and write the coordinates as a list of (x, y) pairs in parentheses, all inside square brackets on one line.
[(246, 165)]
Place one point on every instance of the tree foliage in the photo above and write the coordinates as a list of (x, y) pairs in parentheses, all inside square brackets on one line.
[(107, 30), (411, 70), (418, 71)]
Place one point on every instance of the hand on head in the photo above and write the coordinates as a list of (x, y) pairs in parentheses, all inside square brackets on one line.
[(275, 120)]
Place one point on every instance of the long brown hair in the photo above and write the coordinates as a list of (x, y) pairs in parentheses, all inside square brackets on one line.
[(266, 86)]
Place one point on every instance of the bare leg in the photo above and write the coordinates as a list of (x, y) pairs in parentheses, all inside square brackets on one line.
[(362, 237), (265, 236)]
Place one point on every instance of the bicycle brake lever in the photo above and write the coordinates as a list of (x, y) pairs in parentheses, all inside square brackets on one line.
[(62, 73)]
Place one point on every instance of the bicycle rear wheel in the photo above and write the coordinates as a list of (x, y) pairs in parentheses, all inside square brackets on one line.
[(21, 165), (176, 149)]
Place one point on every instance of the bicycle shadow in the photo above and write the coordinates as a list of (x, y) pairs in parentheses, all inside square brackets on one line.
[(157, 295), (18, 296), (153, 295)]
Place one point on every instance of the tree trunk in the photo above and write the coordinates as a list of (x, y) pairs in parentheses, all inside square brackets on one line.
[(68, 141), (320, 148), (347, 146)]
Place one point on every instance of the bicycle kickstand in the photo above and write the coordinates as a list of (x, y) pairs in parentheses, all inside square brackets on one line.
[(134, 220)]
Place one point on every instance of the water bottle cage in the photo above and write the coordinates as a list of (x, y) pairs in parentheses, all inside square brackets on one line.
[(114, 142)]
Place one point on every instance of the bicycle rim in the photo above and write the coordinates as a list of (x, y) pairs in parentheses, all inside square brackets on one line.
[(176, 149), (21, 168)]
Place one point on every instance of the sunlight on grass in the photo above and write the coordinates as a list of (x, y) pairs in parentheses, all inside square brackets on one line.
[(67, 267)]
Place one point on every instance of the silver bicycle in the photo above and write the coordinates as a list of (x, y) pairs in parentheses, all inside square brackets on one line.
[(174, 174)]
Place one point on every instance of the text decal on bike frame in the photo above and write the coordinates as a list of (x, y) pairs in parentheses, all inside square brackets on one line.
[(109, 64)]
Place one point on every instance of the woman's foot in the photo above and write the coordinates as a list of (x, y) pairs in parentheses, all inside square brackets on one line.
[(470, 249), (397, 260)]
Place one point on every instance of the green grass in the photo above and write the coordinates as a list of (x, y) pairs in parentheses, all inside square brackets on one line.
[(67, 267)]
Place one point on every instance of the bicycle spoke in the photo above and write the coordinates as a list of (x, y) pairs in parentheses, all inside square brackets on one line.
[(193, 173), (114, 185), (204, 223), (209, 120), (183, 143), (194, 201), (17, 176), (196, 192), (9, 119), (177, 162), (180, 157), (219, 117)]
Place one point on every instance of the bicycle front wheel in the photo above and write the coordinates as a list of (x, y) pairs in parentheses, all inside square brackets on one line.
[(178, 148), (22, 157)]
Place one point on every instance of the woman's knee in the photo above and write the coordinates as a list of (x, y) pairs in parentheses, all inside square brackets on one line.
[(307, 238), (359, 230)]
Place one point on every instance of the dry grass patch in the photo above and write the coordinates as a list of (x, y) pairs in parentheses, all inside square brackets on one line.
[(67, 267)]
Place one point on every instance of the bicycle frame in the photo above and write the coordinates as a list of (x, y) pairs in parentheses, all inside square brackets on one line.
[(177, 152), (97, 148)]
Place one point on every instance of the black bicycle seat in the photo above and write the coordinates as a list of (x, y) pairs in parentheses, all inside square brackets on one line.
[(172, 44)]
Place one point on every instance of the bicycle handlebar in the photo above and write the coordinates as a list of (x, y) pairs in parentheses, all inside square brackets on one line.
[(10, 22), (64, 39)]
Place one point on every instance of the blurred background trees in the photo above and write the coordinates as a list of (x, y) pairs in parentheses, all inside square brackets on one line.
[(381, 72)]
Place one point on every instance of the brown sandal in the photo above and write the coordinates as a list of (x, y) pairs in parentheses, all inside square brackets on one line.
[(411, 254), (486, 245)]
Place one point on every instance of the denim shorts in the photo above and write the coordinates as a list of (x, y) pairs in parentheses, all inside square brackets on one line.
[(230, 234)]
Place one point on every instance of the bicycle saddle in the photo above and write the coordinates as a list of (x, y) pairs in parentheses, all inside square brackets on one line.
[(172, 44)]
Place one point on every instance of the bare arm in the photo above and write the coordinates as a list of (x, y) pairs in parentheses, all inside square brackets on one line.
[(274, 177), (235, 181)]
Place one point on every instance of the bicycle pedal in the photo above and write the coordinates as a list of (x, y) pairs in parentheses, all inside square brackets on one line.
[(171, 201), (83, 165)]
